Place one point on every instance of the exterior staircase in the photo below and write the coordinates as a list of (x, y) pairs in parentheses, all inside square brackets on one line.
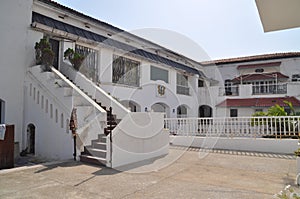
[(65, 95), (96, 153), (98, 116)]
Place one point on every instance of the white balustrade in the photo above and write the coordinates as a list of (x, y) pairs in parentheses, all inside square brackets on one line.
[(252, 127)]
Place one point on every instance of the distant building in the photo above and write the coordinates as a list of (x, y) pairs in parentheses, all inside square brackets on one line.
[(250, 84)]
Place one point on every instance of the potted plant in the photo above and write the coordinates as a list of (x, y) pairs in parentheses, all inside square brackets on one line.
[(43, 54), (75, 58)]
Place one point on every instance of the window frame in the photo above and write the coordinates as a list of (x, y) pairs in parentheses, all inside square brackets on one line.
[(116, 80), (182, 89), (161, 70), (234, 112), (81, 48)]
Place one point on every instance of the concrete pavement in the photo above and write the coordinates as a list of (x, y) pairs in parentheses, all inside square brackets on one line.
[(181, 174)]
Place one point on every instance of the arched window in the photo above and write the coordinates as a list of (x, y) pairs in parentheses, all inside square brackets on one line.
[(205, 111), (181, 111)]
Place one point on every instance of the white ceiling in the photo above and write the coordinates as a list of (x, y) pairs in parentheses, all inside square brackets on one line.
[(279, 14)]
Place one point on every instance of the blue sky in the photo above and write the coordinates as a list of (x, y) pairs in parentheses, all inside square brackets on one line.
[(219, 28)]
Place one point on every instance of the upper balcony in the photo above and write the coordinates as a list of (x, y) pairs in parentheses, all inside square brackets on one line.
[(248, 90)]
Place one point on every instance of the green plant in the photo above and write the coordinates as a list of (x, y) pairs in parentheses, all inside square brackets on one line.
[(288, 193), (277, 110), (47, 57), (43, 53), (75, 58), (297, 152), (280, 124)]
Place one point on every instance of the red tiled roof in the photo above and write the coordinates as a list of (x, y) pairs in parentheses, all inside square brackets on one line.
[(270, 64), (259, 102), (260, 76), (263, 57)]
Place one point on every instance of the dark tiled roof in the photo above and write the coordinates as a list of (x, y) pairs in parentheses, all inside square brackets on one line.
[(270, 64), (107, 25), (263, 57), (259, 102), (75, 12), (260, 76), (36, 17)]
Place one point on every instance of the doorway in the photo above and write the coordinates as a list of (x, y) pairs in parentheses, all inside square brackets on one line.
[(205, 111), (30, 139), (55, 48)]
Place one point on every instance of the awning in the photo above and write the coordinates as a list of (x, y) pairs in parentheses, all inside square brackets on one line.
[(260, 65), (259, 102), (260, 76), (36, 17)]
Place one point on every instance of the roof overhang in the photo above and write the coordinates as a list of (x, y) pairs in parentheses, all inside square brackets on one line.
[(259, 102), (279, 14)]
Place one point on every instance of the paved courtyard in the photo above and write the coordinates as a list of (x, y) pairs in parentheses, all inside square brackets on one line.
[(181, 174)]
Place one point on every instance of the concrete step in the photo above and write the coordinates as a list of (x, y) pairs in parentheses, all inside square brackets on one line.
[(102, 138), (92, 160), (95, 152), (98, 145)]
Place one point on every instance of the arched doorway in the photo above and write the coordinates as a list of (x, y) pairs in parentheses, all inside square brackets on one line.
[(182, 111), (205, 111), (30, 139), (162, 108), (133, 106)]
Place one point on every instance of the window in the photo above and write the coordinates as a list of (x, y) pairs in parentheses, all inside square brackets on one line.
[(38, 97), (258, 110), (46, 109), (30, 90), (125, 71), (200, 83), (62, 120), (51, 110), (181, 111), (56, 115), (228, 87), (233, 112), (296, 78), (34, 93), (287, 110), (182, 84), (42, 102), (259, 70), (159, 74), (89, 66)]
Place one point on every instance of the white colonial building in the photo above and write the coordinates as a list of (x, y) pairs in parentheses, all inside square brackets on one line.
[(122, 83), (250, 84)]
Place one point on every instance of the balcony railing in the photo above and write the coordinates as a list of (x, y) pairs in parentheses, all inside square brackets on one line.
[(255, 127), (258, 89)]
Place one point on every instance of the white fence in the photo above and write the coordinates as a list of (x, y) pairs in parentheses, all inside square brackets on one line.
[(255, 127)]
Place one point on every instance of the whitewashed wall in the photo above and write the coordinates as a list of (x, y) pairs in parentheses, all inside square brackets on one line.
[(16, 55), (283, 146), (147, 137)]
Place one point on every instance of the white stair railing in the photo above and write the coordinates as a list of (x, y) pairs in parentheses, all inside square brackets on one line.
[(90, 87), (89, 126)]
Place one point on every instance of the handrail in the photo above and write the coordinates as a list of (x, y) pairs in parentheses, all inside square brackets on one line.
[(46, 90), (86, 97), (117, 106)]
